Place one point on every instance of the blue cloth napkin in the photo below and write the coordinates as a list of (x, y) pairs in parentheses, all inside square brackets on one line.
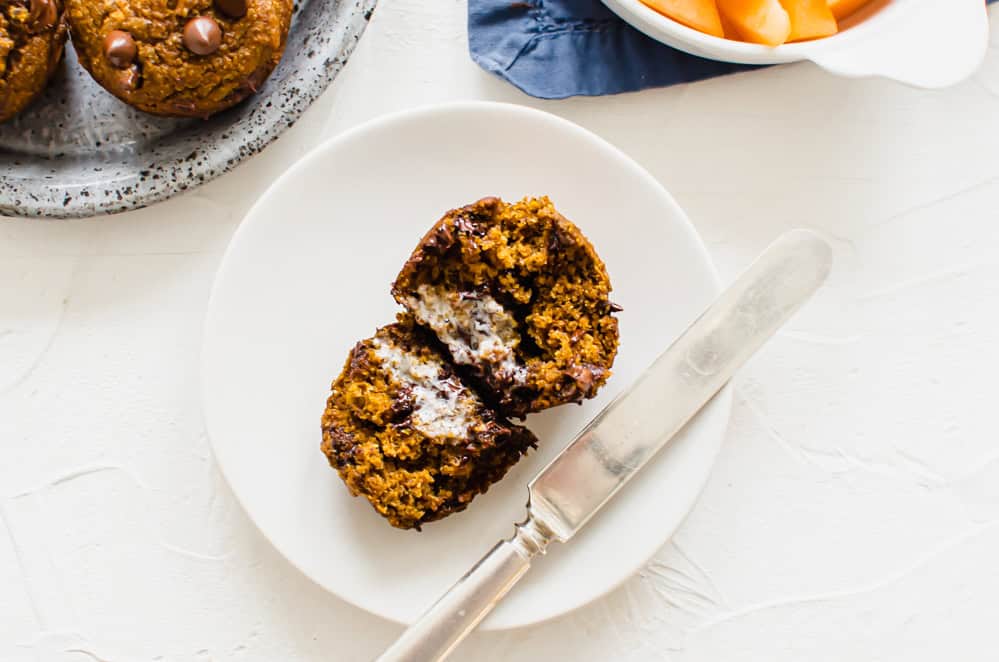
[(554, 49)]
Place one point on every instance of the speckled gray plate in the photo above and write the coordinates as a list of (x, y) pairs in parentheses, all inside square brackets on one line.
[(80, 152)]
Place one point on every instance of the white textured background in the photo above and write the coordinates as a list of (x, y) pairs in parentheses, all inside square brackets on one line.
[(854, 511)]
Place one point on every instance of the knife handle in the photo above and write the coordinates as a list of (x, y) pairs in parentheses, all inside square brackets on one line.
[(463, 607)]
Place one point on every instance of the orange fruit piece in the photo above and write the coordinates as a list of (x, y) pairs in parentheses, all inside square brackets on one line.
[(730, 28), (758, 21), (698, 14), (810, 19), (843, 8)]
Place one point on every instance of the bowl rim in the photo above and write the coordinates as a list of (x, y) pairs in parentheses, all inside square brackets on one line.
[(676, 34)]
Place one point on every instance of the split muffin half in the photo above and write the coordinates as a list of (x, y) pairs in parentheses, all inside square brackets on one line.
[(404, 432), (520, 299)]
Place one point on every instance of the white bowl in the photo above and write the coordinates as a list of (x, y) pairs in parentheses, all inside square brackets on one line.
[(926, 43)]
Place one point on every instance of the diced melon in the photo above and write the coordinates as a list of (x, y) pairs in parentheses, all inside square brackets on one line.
[(810, 19), (843, 8), (698, 14), (730, 28), (758, 21)]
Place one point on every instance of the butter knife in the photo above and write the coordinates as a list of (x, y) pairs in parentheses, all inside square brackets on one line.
[(627, 434)]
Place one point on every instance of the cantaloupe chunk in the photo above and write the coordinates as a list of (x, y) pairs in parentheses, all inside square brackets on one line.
[(698, 14), (810, 19), (730, 28), (843, 8), (758, 21)]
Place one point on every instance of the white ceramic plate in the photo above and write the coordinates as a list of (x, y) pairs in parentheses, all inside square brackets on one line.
[(308, 274)]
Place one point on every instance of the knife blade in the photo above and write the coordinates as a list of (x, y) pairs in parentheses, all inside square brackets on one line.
[(621, 439)]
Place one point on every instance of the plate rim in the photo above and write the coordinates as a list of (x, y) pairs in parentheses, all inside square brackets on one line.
[(722, 399), (23, 202)]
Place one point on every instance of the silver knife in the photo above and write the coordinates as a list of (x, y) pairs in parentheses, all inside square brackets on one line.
[(627, 434)]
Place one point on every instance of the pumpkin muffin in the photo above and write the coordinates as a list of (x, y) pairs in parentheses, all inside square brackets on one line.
[(185, 58), (520, 299), (32, 36), (404, 432)]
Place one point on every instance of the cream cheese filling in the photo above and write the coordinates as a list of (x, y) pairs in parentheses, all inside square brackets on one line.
[(441, 406), (476, 329)]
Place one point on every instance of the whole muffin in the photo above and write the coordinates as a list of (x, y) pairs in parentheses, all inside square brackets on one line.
[(32, 36), (185, 58), (404, 432), (520, 299)]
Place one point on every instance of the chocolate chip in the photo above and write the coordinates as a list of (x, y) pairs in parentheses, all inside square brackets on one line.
[(444, 236), (403, 404), (256, 79), (584, 378), (554, 243), (582, 375), (441, 240), (493, 429), (232, 8), (44, 14), (489, 205), (186, 106), (202, 35), (120, 49), (130, 79), (469, 226), (613, 307)]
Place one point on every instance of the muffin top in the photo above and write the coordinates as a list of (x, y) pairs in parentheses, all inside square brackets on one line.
[(32, 34), (180, 57), (520, 299)]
